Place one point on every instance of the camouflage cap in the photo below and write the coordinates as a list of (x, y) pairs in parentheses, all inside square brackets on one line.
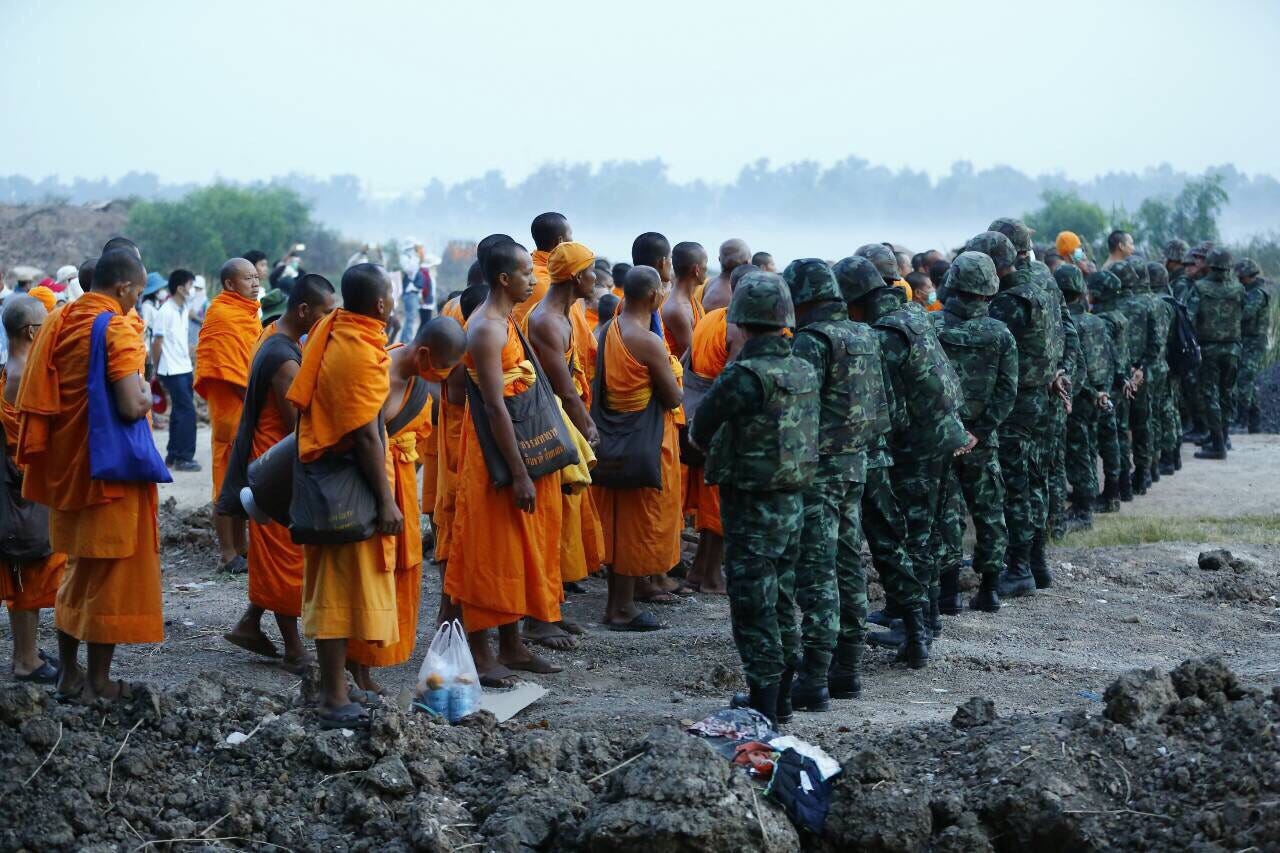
[(1124, 271), (1104, 284), (1069, 278), (1247, 267), (762, 299), (995, 246), (883, 258), (1199, 251), (811, 280), (1218, 259), (857, 277), (1138, 264), (972, 272), (1016, 230), (1176, 250), (1158, 274)]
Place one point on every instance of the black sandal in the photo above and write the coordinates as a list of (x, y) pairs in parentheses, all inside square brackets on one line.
[(349, 716), (642, 622)]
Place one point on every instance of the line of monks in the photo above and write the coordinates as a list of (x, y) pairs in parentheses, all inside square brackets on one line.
[(326, 373)]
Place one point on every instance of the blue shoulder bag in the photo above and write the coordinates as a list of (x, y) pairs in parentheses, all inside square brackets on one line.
[(119, 451)]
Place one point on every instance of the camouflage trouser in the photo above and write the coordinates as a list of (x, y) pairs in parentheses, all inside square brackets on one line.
[(1192, 401), (1055, 464), (886, 532), (1109, 433), (1218, 366), (1082, 448), (1158, 396), (829, 591), (1252, 353), (917, 483), (1171, 431), (1140, 427), (1022, 455), (974, 482), (761, 546)]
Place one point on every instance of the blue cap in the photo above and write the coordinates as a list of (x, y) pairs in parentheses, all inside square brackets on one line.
[(155, 283)]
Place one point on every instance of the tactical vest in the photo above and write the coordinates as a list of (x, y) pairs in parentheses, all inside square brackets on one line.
[(1220, 312), (1254, 321), (774, 448), (928, 380), (1036, 364), (1137, 311), (970, 345), (1095, 344), (1057, 337), (1118, 325), (854, 405), (1162, 309)]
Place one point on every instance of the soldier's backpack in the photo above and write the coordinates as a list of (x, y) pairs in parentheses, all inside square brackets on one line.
[(1184, 347)]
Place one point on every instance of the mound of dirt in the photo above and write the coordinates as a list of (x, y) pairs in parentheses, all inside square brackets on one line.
[(1184, 760), (47, 236), (187, 529)]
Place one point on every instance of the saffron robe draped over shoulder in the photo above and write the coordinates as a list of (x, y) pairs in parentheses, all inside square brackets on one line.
[(224, 351), (708, 355)]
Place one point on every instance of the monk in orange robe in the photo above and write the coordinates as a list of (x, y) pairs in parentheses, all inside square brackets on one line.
[(31, 586), (557, 338), (715, 343), (275, 562), (349, 590), (433, 352), (110, 593), (504, 562), (680, 311), (223, 353), (641, 526), (549, 230), (733, 253)]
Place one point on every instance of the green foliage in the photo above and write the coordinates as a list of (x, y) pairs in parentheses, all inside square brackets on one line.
[(1191, 215), (1111, 530), (1066, 211), (204, 228)]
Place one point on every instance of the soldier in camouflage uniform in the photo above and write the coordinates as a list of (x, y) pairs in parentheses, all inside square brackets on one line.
[(1255, 327), (1175, 253), (1104, 293), (1194, 269), (1216, 305), (1163, 434), (985, 357), (831, 583), (926, 430), (760, 422), (1098, 369), (1143, 349)]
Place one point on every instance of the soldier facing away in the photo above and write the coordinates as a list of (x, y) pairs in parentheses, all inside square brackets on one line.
[(1216, 305)]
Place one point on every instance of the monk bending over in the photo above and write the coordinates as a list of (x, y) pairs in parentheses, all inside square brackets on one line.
[(432, 354), (223, 354), (275, 562), (111, 591), (349, 590), (505, 560), (34, 584)]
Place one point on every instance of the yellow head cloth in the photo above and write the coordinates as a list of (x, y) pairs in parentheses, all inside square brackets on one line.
[(569, 259), (46, 296)]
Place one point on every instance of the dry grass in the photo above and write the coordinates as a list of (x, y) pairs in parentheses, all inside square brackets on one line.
[(1121, 529)]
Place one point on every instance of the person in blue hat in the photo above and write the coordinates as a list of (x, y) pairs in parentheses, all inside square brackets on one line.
[(149, 308)]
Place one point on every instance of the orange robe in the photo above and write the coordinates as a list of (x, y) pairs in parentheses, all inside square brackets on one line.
[(34, 585), (448, 435), (348, 591), (111, 590), (224, 352), (503, 563), (541, 284), (641, 526), (408, 574), (708, 356), (275, 562), (697, 313)]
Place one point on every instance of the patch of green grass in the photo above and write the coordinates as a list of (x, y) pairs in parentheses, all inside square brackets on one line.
[(1113, 529)]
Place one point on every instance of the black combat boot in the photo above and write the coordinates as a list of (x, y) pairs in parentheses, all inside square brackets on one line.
[(1126, 488), (1177, 458), (809, 692), (1255, 419), (1153, 473), (987, 598), (1141, 481), (933, 615), (914, 650), (1039, 563), (1016, 580), (1081, 514), (784, 693), (1109, 500), (1195, 436), (762, 699), (884, 616), (1217, 449), (1166, 467), (949, 593), (843, 680)]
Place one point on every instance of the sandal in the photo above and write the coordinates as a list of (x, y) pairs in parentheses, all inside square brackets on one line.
[(237, 565), (349, 716), (660, 598), (44, 674), (367, 698), (504, 681), (259, 645), (642, 622)]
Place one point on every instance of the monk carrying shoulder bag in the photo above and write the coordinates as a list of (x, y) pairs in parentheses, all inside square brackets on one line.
[(24, 526), (630, 452), (332, 502), (119, 450)]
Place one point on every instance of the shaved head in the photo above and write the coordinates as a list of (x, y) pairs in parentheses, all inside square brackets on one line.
[(362, 286), (550, 230), (310, 289), (734, 252), (483, 247), (471, 299), (475, 274), (686, 256), (122, 243), (640, 282), (443, 338), (650, 249), (21, 311), (233, 267), (119, 266), (86, 274)]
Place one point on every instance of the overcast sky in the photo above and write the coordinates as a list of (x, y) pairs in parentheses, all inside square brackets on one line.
[(398, 93)]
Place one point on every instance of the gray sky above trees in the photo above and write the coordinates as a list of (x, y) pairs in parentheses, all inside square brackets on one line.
[(399, 93)]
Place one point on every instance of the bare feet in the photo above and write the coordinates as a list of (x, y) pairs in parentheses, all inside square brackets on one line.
[(571, 627), (362, 675), (530, 662), (251, 639), (498, 677)]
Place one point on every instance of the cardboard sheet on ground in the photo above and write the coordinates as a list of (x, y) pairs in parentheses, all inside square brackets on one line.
[(505, 704)]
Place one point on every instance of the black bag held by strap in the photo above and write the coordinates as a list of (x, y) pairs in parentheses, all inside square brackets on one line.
[(630, 451), (1184, 348), (695, 388), (541, 436), (332, 502), (24, 525)]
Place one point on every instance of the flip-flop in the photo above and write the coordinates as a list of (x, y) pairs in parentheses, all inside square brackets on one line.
[(546, 642), (237, 565), (297, 666), (575, 587), (52, 660), (367, 698), (259, 645), (45, 674), (349, 716), (500, 682), (664, 598), (537, 666), (72, 698), (643, 621), (686, 590)]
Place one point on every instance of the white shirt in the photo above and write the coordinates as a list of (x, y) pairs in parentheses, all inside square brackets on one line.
[(175, 351)]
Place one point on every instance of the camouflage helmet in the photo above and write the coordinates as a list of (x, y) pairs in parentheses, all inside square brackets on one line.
[(1218, 259), (1016, 230), (1176, 250), (995, 246), (1138, 264), (1247, 267), (857, 277), (972, 272), (882, 256), (1198, 252), (762, 299), (1104, 284), (1124, 271), (1159, 276), (811, 280), (1069, 278)]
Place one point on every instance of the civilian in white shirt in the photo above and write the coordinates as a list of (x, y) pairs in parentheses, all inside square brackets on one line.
[(171, 355)]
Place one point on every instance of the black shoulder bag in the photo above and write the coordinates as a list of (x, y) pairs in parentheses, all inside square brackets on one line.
[(630, 452), (24, 525), (332, 502)]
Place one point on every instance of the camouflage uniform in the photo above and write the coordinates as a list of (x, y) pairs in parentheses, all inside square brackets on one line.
[(1104, 289), (831, 584), (760, 422), (1095, 371), (1165, 313), (1216, 305), (985, 357), (1255, 326), (1144, 349), (1192, 396)]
